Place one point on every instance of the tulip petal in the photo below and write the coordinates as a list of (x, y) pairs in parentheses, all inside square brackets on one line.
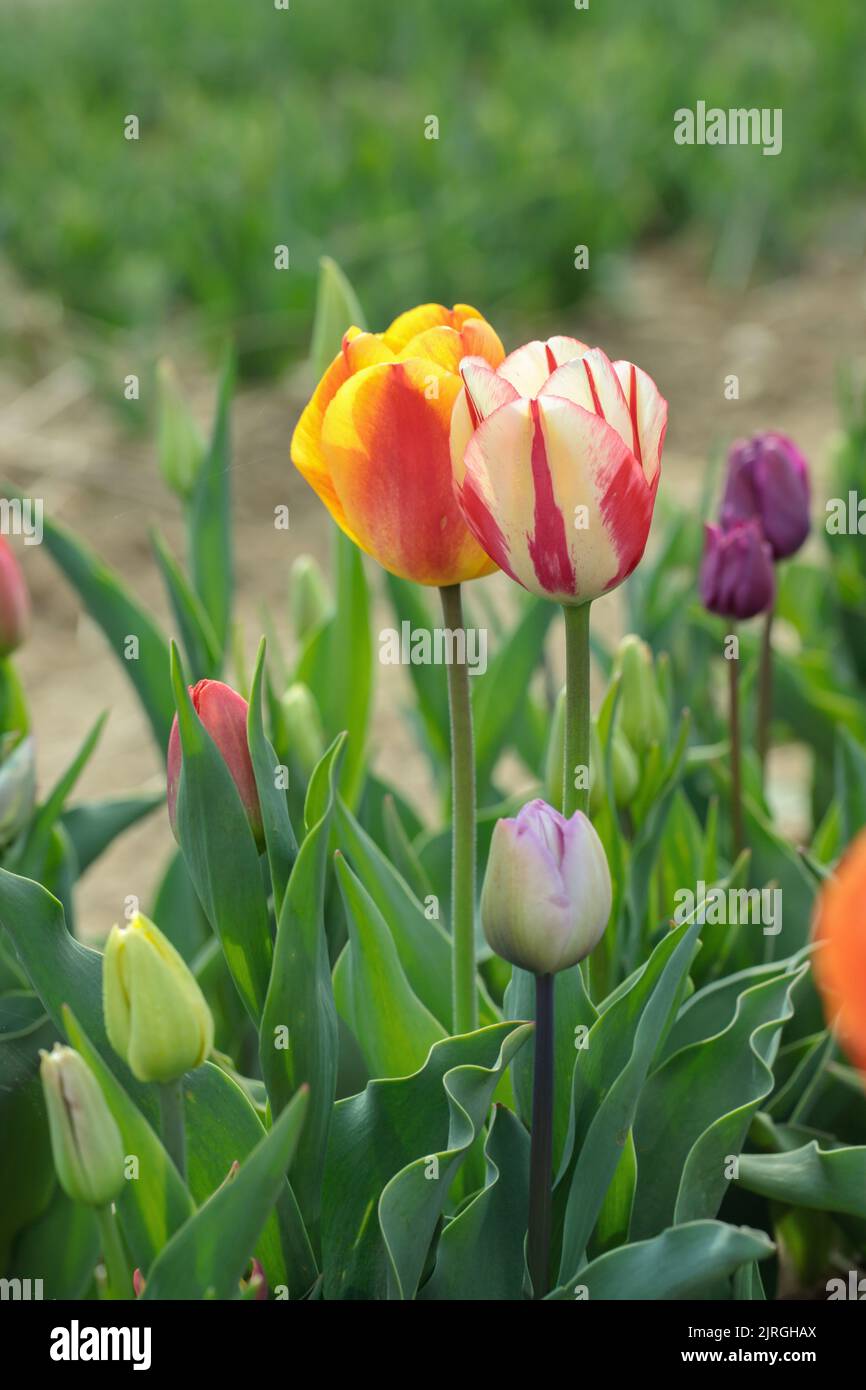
[(528, 367), (306, 447), (414, 321), (362, 349), (385, 437), (486, 389), (556, 498), (840, 963), (591, 381), (649, 416)]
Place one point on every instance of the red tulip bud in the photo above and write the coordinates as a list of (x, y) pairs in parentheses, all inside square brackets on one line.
[(14, 602), (223, 712)]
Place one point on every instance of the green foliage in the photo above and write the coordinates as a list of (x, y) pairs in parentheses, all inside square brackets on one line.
[(261, 128), (339, 1135)]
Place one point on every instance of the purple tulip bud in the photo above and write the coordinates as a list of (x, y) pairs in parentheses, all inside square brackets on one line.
[(547, 892), (737, 576), (768, 478)]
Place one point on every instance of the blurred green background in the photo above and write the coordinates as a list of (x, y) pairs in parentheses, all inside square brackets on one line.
[(306, 127)]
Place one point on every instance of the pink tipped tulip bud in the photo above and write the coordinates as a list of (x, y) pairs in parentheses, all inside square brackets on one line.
[(547, 893), (768, 478), (737, 579), (14, 602), (223, 712)]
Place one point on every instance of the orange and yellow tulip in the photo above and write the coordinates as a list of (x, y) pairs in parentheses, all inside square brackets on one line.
[(373, 442), (840, 961)]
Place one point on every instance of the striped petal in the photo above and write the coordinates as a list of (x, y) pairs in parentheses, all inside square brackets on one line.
[(591, 381), (649, 416), (484, 391), (528, 367), (556, 498), (385, 438)]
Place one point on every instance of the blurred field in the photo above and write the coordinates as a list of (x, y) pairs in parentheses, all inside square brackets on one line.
[(306, 127)]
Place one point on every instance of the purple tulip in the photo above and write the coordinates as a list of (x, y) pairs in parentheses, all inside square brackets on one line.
[(547, 892), (737, 576), (768, 478)]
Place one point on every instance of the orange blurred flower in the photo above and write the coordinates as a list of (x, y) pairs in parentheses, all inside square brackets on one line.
[(840, 963), (373, 441)]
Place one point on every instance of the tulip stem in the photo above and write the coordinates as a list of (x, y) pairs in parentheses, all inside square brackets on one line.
[(118, 1283), (173, 1124), (541, 1149), (576, 798), (463, 987), (765, 689), (736, 757)]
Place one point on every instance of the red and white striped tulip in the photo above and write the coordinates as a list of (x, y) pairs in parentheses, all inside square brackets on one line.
[(556, 457)]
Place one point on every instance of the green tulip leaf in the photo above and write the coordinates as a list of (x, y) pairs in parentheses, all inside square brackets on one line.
[(821, 1179), (609, 1077), (223, 1128), (696, 1109), (337, 664), (200, 645), (61, 970), (280, 839), (94, 825), (298, 1041), (61, 1248), (208, 1256), (480, 1252), (209, 517), (394, 1029), (682, 1262), (394, 1152), (121, 617), (423, 945)]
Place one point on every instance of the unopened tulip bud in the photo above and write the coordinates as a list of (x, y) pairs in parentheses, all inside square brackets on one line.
[(303, 725), (17, 790), (85, 1139), (180, 445), (642, 713), (737, 578), (14, 601), (223, 712), (768, 478), (547, 892), (624, 768), (156, 1016), (311, 601)]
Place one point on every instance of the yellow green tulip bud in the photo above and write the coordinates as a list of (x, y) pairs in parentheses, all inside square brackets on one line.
[(180, 445), (642, 713), (85, 1139), (156, 1017), (303, 724), (311, 602)]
